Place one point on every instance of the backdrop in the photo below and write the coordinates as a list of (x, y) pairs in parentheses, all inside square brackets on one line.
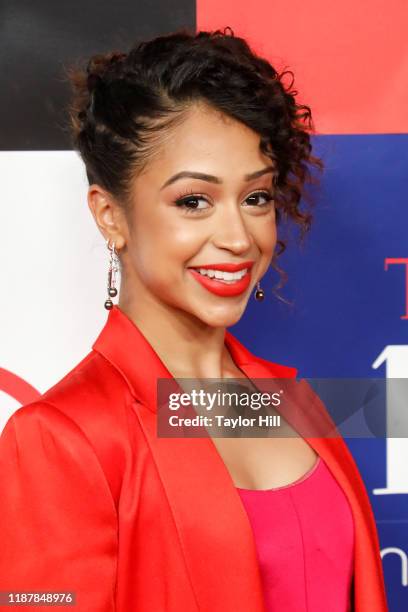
[(348, 284)]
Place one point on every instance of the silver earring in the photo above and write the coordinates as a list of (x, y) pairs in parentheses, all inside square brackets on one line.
[(112, 271), (259, 293)]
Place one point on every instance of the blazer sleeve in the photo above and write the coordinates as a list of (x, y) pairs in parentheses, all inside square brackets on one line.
[(58, 527)]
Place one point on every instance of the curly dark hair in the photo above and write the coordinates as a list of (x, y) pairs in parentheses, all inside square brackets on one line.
[(123, 103)]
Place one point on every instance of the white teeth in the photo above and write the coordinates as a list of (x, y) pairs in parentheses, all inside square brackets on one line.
[(221, 275)]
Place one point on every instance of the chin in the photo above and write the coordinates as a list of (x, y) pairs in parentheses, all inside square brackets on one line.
[(225, 317)]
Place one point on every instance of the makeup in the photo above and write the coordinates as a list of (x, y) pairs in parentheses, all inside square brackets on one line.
[(236, 277)]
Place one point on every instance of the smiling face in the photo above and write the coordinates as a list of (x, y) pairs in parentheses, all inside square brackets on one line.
[(179, 223)]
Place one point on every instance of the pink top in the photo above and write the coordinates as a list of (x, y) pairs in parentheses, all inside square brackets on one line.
[(304, 536)]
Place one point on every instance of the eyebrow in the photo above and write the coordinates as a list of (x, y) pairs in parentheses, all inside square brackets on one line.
[(214, 179)]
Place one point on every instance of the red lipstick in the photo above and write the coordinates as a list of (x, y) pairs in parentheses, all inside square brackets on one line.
[(219, 286)]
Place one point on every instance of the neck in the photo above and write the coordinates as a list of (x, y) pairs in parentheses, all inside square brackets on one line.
[(188, 347)]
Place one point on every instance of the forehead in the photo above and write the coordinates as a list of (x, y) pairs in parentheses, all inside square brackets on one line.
[(207, 140)]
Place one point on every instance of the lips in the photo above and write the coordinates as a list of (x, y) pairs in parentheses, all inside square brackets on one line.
[(220, 287)]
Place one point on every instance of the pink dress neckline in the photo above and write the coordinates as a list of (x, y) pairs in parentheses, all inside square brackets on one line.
[(291, 484)]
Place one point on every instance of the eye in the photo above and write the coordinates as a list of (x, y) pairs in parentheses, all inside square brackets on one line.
[(189, 203), (268, 197)]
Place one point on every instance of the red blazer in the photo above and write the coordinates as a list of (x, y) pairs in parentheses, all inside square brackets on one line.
[(94, 502)]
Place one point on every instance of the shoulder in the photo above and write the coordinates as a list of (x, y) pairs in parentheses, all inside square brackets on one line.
[(92, 385), (38, 425), (93, 395), (84, 413), (39, 438)]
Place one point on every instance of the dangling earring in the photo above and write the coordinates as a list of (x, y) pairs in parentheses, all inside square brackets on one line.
[(113, 269), (259, 293)]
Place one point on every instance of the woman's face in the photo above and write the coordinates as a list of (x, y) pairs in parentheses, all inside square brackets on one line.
[(180, 223)]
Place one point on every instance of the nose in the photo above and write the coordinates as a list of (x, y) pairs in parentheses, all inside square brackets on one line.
[(231, 231)]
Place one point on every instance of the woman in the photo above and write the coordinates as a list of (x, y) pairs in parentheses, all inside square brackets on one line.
[(194, 150)]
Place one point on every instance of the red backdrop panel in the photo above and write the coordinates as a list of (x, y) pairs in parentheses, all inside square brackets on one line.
[(350, 58)]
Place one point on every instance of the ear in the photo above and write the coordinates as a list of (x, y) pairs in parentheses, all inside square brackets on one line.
[(108, 215)]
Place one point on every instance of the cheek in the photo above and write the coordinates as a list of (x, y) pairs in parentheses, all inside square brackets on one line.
[(266, 236), (163, 246), (181, 241)]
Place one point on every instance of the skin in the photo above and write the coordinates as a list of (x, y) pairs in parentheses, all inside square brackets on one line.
[(157, 241)]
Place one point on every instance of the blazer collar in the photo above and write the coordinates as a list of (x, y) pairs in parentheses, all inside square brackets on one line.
[(123, 344)]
